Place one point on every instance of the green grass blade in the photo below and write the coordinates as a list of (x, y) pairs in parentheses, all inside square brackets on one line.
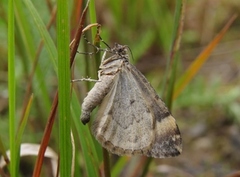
[(163, 24), (174, 52), (142, 45), (172, 58), (28, 47), (24, 27), (95, 64), (93, 18), (23, 122), (22, 127), (89, 152), (50, 46), (12, 89), (118, 167), (63, 40)]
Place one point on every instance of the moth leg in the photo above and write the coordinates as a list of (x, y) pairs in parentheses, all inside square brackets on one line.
[(86, 79)]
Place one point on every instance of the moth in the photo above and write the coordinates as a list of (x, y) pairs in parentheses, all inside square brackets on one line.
[(132, 119)]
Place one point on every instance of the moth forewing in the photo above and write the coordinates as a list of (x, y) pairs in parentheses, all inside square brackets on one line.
[(120, 125), (168, 140), (132, 119)]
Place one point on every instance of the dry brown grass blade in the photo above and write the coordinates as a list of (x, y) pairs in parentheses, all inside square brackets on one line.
[(78, 35), (200, 60), (46, 137)]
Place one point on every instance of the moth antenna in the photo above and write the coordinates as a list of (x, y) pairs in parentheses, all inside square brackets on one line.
[(130, 52)]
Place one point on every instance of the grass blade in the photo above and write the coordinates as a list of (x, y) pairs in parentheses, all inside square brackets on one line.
[(89, 152), (173, 58), (46, 137), (28, 48), (63, 40), (93, 18), (12, 89), (22, 126), (200, 60), (118, 167), (50, 46)]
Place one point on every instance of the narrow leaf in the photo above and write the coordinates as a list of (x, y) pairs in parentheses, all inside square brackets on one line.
[(50, 46), (200, 60), (12, 89), (89, 152)]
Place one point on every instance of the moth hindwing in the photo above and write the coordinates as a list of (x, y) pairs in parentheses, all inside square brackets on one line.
[(131, 119)]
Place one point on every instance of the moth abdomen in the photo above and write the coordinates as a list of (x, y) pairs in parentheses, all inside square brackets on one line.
[(95, 97)]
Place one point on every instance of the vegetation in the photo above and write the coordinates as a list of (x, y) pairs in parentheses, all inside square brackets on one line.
[(188, 50)]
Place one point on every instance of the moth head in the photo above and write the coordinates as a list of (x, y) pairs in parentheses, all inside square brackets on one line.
[(118, 52), (120, 49)]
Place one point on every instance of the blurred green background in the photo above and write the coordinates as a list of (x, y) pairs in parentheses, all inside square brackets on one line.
[(207, 111)]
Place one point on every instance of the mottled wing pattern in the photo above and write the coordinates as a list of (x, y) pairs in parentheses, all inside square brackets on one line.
[(167, 141), (132, 119), (124, 124)]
